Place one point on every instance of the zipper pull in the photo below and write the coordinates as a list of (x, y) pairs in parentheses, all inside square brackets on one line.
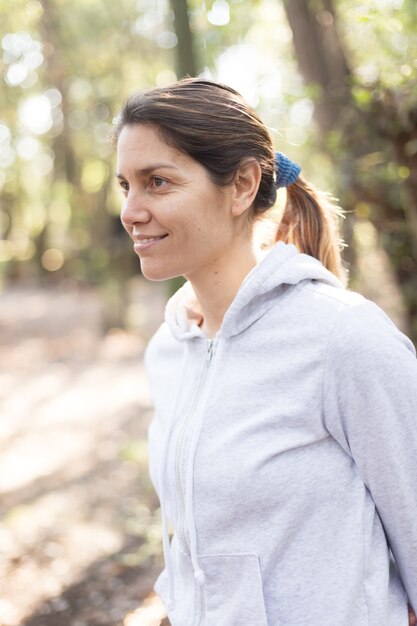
[(209, 351)]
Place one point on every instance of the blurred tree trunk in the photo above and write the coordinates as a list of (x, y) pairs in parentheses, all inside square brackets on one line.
[(324, 65), (65, 164), (320, 57), (65, 161), (186, 59)]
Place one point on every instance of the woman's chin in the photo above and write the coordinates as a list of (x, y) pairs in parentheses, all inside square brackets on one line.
[(157, 274)]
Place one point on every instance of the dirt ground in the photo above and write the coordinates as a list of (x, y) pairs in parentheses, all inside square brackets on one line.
[(80, 537)]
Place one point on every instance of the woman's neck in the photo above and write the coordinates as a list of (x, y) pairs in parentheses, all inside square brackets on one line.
[(217, 287)]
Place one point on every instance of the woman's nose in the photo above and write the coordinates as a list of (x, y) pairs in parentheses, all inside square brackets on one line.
[(134, 211)]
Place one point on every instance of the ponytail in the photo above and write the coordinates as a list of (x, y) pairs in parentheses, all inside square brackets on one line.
[(311, 222)]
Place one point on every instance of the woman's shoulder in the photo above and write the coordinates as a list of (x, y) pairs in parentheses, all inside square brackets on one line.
[(332, 297), (343, 306), (346, 319), (358, 326), (162, 346)]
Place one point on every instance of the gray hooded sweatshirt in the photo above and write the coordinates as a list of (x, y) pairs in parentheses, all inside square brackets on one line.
[(284, 455)]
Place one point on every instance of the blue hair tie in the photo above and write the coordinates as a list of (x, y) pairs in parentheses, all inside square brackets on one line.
[(286, 171)]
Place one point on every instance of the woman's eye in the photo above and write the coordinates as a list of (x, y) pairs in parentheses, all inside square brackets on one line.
[(157, 182), (124, 185)]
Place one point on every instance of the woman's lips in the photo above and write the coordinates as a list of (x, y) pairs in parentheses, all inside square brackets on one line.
[(147, 242)]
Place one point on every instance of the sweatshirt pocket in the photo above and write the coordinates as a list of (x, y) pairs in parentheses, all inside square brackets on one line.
[(233, 590)]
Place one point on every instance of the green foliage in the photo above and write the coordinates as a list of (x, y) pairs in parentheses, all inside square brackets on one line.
[(382, 42)]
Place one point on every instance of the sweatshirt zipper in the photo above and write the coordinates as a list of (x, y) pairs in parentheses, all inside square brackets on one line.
[(178, 471), (201, 587)]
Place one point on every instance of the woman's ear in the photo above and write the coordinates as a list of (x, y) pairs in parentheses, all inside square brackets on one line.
[(245, 185)]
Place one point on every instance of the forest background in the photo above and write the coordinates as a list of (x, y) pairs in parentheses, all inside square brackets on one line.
[(335, 81)]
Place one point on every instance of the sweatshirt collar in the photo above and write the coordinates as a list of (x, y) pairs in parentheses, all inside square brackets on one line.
[(283, 265)]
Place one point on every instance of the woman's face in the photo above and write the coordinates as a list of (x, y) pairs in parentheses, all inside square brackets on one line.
[(180, 222)]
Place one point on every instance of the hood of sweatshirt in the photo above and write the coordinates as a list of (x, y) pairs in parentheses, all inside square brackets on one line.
[(283, 265)]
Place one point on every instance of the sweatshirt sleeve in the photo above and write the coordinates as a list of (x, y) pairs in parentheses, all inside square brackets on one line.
[(370, 408)]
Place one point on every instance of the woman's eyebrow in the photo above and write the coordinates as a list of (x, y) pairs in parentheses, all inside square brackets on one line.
[(149, 169)]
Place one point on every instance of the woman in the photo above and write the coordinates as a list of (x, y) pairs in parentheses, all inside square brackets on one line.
[(284, 440)]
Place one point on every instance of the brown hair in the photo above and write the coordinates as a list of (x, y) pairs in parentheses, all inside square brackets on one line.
[(214, 125)]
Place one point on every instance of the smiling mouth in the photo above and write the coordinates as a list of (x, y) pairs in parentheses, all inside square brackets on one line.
[(150, 239), (143, 243)]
